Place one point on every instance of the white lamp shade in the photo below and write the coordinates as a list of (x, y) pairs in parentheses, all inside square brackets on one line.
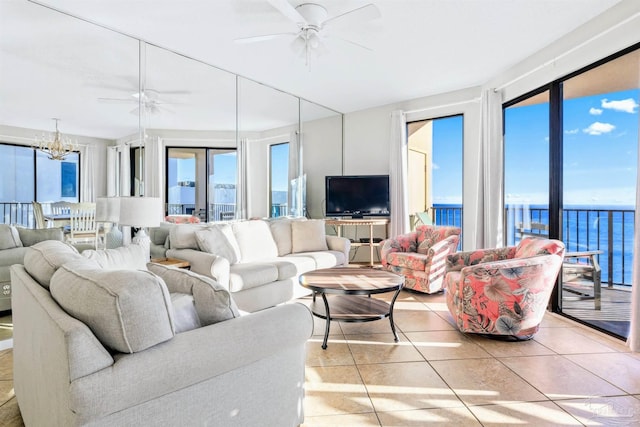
[(141, 211), (108, 209)]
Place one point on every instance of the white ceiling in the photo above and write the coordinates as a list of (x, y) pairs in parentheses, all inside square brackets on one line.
[(419, 48)]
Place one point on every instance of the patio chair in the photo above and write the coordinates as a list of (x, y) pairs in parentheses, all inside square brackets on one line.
[(505, 291), (420, 256)]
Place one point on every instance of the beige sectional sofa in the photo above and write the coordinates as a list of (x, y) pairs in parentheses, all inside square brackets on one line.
[(101, 340), (258, 261)]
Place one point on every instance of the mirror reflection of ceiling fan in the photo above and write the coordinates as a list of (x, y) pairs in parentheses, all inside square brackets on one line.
[(151, 101), (312, 21)]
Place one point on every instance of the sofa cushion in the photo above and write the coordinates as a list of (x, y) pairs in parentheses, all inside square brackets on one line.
[(43, 259), (219, 240), (290, 266), (30, 237), (132, 257), (323, 259), (213, 303), (308, 236), (127, 310), (159, 235), (250, 275), (281, 231), (183, 236), (254, 240), (9, 237)]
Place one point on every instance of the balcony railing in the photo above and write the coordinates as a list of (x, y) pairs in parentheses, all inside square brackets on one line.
[(220, 211)]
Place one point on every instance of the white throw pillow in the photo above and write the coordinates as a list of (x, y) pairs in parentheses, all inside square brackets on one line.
[(213, 302), (219, 240), (281, 230), (127, 310), (183, 236), (255, 240), (308, 236), (43, 259), (9, 237)]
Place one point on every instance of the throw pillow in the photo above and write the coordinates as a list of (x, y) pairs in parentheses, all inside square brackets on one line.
[(9, 237), (127, 310), (30, 237), (219, 240), (132, 257), (213, 302), (254, 240), (185, 317), (308, 236), (43, 259), (281, 230), (183, 236)]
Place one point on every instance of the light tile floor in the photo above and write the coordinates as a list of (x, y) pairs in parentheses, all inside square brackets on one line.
[(568, 375)]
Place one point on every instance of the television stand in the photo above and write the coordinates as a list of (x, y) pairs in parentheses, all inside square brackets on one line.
[(371, 222)]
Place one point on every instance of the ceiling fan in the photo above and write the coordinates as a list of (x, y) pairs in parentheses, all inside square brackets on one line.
[(151, 101), (312, 20)]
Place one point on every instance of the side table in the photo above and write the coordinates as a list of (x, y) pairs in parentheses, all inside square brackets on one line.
[(172, 262)]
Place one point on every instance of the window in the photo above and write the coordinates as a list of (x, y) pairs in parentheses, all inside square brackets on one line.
[(279, 179), (586, 169), (201, 182), (27, 175)]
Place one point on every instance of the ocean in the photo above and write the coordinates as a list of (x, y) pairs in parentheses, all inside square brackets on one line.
[(609, 229)]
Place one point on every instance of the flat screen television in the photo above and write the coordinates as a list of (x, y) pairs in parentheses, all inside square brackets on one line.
[(357, 196)]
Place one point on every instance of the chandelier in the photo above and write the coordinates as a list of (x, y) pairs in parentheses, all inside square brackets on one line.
[(56, 146)]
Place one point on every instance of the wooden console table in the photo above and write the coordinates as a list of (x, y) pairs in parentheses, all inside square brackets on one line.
[(371, 222)]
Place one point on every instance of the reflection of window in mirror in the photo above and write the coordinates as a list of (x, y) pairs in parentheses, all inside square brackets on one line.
[(279, 180), (137, 171)]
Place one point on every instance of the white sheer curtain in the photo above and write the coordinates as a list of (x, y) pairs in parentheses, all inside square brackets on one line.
[(242, 188), (125, 169), (633, 341), (112, 168), (488, 225), (398, 174), (296, 194), (152, 167), (87, 187)]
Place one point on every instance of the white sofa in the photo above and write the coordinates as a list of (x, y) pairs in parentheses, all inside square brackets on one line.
[(258, 261), (97, 345)]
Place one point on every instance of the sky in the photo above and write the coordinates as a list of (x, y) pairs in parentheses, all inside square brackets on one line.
[(600, 151), (447, 160)]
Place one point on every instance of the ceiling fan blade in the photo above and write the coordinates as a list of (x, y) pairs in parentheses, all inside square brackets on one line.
[(364, 13), (285, 8), (263, 37)]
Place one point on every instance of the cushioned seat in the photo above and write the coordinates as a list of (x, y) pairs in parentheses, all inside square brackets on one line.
[(323, 259)]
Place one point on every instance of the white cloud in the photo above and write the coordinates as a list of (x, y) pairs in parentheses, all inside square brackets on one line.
[(598, 128), (572, 131), (628, 105), (595, 111)]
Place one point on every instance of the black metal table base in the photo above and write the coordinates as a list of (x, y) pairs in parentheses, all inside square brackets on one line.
[(353, 308)]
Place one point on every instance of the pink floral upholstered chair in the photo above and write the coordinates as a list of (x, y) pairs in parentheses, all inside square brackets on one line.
[(420, 256), (503, 291)]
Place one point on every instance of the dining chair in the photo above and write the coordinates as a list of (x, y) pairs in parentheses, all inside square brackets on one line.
[(38, 215), (83, 224)]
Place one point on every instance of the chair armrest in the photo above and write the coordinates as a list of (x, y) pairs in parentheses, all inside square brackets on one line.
[(341, 244), (204, 263), (402, 243), (459, 260), (193, 357)]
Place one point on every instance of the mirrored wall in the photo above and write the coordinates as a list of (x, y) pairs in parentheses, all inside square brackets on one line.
[(116, 94)]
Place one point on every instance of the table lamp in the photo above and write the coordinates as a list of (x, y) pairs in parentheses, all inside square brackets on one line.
[(141, 212), (108, 211)]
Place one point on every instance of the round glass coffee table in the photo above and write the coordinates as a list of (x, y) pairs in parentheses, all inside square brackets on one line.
[(351, 290)]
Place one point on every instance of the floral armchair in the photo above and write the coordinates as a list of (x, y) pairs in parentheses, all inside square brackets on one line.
[(503, 291), (420, 256)]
